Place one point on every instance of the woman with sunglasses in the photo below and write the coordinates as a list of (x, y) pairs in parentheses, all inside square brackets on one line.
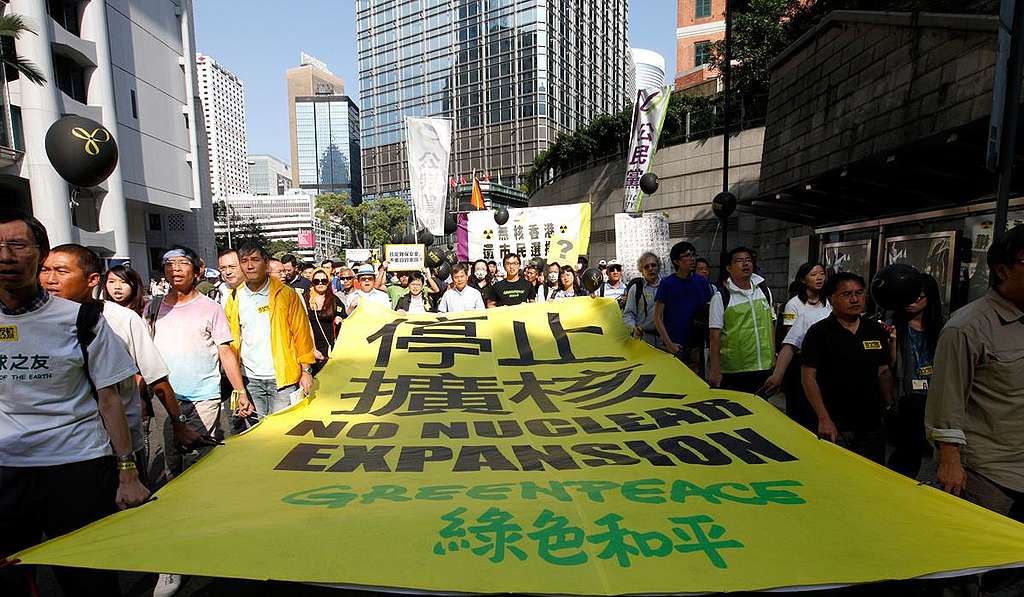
[(123, 286), (325, 313), (568, 284)]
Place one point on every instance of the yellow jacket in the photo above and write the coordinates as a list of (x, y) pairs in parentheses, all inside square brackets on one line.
[(291, 339)]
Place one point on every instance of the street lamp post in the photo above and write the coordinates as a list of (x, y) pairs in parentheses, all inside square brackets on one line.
[(725, 202)]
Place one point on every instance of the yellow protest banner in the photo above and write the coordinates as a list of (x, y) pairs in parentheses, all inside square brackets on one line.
[(535, 449)]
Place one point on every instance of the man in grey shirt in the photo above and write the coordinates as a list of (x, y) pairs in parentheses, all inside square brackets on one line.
[(975, 408)]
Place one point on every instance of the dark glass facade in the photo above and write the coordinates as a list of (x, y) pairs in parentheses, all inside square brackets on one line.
[(327, 139), (510, 74)]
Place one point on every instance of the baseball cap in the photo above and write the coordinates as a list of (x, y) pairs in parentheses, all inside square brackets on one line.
[(365, 270), (615, 264), (602, 263), (212, 273)]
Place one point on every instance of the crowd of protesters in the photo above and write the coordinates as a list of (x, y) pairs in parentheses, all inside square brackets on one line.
[(131, 385)]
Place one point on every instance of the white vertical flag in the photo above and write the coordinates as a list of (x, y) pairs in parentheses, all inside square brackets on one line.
[(428, 149), (648, 115)]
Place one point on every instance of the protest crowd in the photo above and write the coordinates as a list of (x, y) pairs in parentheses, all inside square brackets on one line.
[(127, 385)]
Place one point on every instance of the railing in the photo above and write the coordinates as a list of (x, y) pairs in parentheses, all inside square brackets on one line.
[(697, 125)]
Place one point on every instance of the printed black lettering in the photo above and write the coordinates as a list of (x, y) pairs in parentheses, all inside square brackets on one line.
[(750, 446), (456, 430), (318, 429), (474, 458), (533, 459), (412, 458), (695, 450), (297, 459), (603, 454), (371, 459)]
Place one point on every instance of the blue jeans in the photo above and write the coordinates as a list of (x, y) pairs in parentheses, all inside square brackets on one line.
[(266, 397)]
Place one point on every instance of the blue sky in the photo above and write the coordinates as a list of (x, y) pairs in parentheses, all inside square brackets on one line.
[(259, 40)]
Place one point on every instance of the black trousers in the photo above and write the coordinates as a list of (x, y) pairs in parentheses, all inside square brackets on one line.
[(53, 501), (908, 436), (748, 381)]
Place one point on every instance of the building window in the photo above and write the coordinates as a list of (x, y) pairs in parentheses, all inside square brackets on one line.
[(702, 9), (154, 222), (701, 52), (70, 78), (135, 105)]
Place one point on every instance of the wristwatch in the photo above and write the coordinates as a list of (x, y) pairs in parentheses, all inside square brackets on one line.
[(307, 370), (181, 418), (126, 462)]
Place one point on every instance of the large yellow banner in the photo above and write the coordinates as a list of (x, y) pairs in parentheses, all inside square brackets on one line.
[(535, 449)]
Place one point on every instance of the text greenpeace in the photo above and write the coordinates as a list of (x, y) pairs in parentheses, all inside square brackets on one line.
[(495, 451)]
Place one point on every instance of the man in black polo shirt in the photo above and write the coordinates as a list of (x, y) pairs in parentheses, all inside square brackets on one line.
[(845, 370), (513, 290)]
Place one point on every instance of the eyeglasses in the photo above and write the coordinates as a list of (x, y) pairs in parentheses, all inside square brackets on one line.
[(346, 277), (17, 246), (320, 281), (650, 266), (688, 255)]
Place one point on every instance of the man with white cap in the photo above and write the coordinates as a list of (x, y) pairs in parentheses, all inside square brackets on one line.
[(366, 278), (615, 288)]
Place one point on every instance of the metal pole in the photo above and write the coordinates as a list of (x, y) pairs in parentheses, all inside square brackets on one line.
[(726, 96), (1011, 112)]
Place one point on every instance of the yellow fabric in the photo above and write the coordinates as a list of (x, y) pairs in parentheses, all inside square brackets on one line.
[(548, 453), (291, 338)]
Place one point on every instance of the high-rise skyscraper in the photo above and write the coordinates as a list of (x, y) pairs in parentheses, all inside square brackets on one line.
[(511, 74), (223, 98), (324, 131)]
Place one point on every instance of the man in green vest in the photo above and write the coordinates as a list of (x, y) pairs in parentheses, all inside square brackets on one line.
[(741, 338)]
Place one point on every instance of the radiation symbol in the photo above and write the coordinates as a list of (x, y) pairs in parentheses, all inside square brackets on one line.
[(563, 228), (488, 234)]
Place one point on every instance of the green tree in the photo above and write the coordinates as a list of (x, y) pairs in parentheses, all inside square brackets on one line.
[(369, 224), (12, 27), (280, 247), (387, 219)]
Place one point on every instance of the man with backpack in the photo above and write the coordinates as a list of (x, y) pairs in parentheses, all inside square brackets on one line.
[(680, 298), (638, 313), (741, 326), (63, 430), (72, 272)]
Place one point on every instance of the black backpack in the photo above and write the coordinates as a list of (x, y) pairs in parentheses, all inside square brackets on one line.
[(88, 317), (638, 283)]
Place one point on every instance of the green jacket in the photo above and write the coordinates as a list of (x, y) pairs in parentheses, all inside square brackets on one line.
[(748, 329)]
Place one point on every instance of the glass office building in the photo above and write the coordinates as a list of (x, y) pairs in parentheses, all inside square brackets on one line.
[(511, 74), (327, 140)]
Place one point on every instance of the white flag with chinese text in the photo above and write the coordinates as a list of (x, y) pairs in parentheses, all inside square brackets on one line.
[(649, 111), (428, 149)]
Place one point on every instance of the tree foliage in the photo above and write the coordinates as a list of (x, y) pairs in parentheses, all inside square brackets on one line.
[(369, 224), (12, 27)]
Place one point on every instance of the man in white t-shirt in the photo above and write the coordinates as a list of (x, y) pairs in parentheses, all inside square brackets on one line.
[(72, 272), (60, 414), (460, 296), (367, 279)]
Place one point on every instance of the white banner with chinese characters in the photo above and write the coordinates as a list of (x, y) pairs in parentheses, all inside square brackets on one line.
[(527, 232), (649, 111), (428, 149), (404, 258), (636, 234)]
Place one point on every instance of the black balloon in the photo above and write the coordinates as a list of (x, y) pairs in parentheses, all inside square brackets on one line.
[(592, 279), (442, 271), (425, 237), (500, 216), (451, 257), (896, 286), (649, 183), (450, 225), (435, 257), (723, 204), (81, 150)]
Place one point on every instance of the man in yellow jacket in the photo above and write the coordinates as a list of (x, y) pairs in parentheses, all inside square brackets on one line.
[(271, 334)]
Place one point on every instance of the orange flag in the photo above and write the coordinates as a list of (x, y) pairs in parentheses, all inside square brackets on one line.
[(477, 198)]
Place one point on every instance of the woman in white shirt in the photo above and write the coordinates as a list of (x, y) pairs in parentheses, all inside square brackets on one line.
[(805, 294), (568, 284)]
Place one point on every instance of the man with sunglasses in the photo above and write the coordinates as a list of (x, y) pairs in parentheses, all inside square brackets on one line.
[(343, 283), (367, 291)]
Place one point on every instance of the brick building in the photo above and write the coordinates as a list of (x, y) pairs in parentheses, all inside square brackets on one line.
[(699, 23)]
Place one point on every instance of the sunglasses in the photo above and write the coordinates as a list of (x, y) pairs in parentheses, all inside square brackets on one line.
[(346, 277), (320, 281)]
